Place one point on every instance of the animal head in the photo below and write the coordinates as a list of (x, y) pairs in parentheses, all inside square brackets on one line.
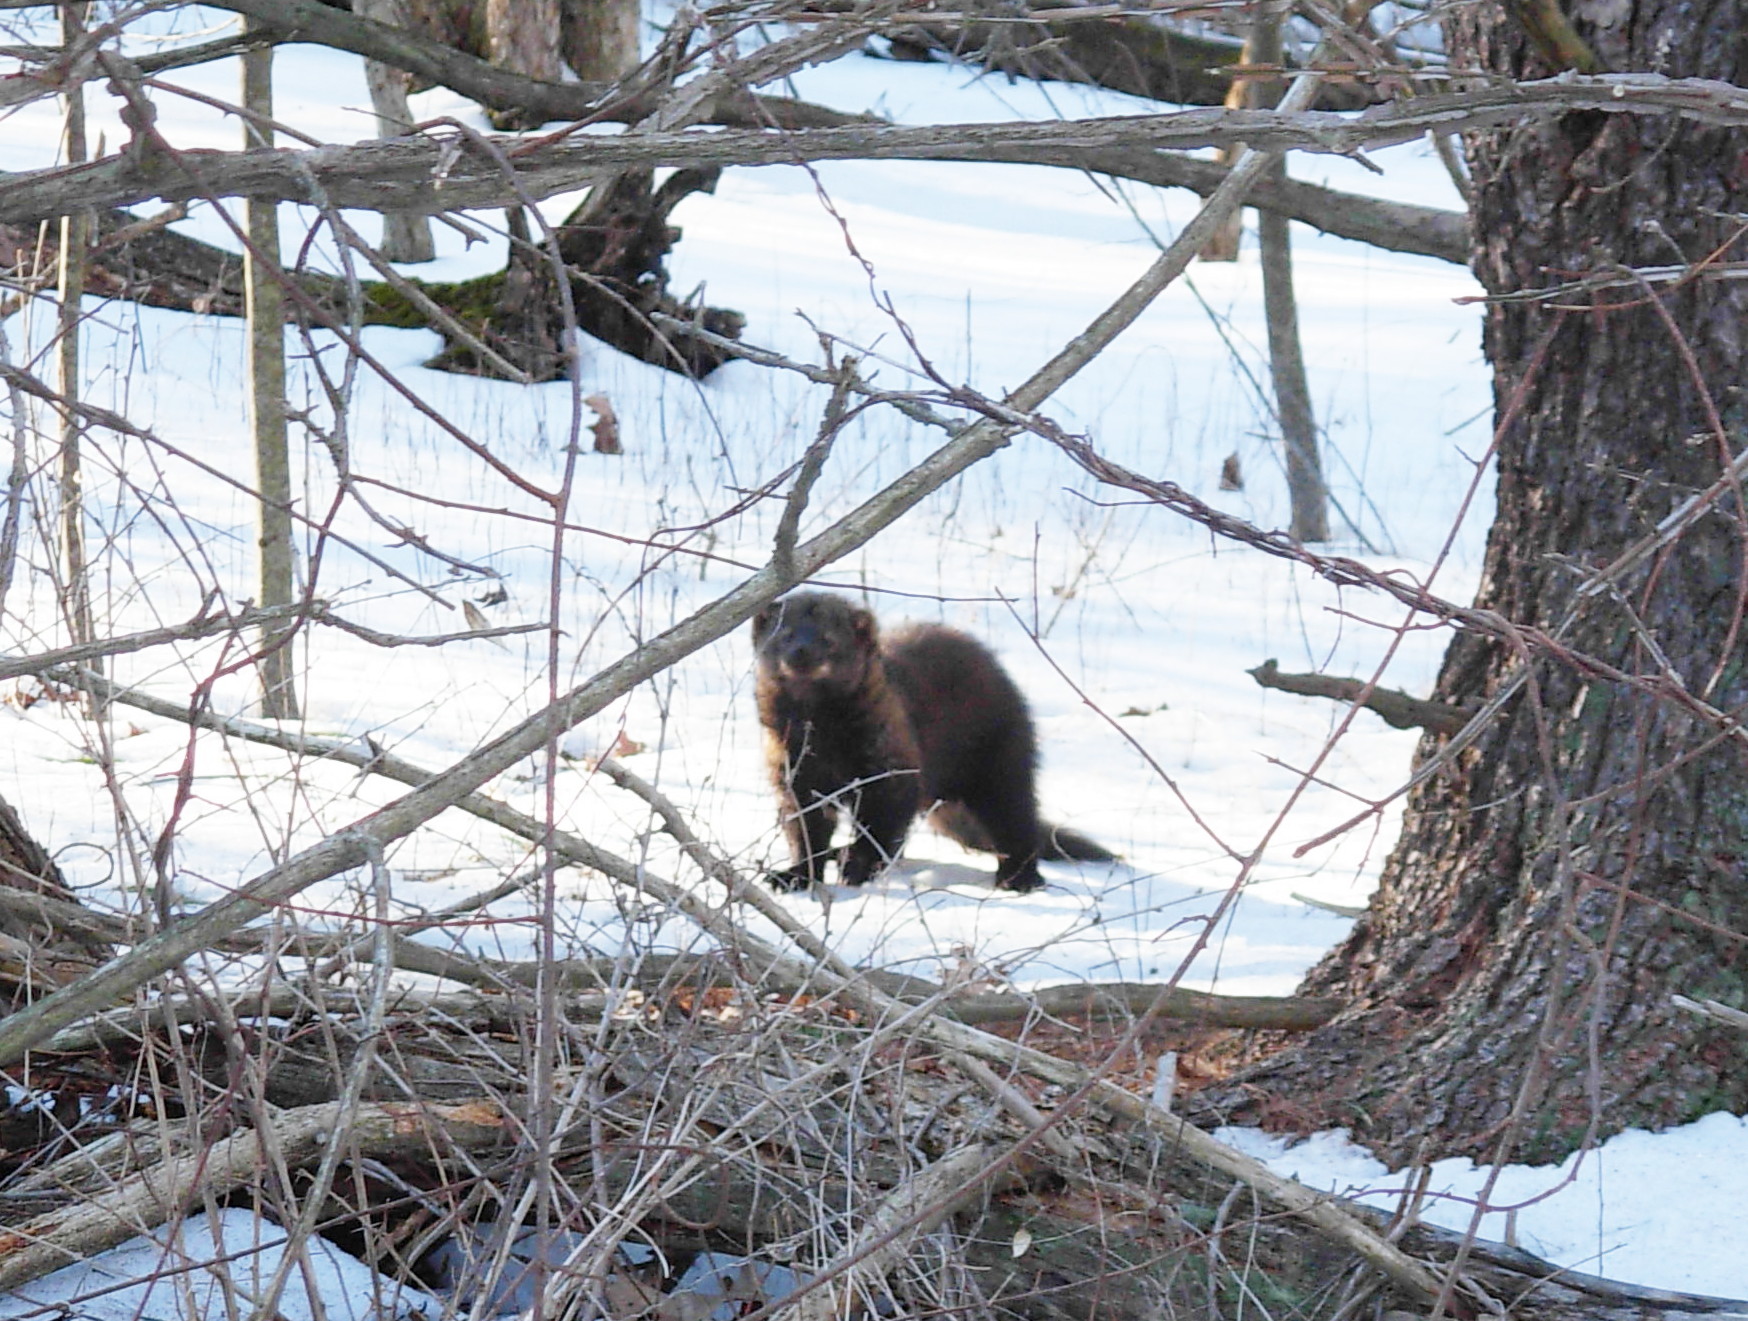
[(813, 639)]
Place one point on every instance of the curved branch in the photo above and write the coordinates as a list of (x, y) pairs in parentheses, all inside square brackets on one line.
[(434, 173)]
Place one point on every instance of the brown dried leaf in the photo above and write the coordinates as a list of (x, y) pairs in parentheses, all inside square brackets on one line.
[(606, 427)]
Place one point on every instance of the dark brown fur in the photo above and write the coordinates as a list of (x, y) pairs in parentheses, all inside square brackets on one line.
[(927, 718)]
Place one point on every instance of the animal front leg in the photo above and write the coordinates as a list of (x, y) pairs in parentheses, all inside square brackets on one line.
[(882, 814), (809, 831)]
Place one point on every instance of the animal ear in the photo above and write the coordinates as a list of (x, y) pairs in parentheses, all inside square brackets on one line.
[(762, 622), (867, 631)]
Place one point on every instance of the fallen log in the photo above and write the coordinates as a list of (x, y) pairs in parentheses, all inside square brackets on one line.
[(1542, 1291)]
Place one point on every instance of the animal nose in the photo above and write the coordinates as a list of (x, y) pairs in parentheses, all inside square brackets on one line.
[(803, 657)]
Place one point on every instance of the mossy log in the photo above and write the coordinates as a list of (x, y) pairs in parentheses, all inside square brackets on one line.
[(613, 249)]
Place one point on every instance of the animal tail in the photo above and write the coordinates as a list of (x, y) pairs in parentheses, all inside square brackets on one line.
[(1060, 844), (1055, 843)]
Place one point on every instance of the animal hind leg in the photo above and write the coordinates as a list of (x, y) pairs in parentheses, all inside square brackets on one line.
[(1009, 816)]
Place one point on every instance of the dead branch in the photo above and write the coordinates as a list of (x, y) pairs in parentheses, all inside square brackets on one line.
[(203, 625), (1124, 1000), (957, 1038), (1398, 709), (1393, 226), (1712, 1009), (145, 1201), (859, 989), (283, 1000), (1091, 1001), (52, 72), (492, 86), (913, 1208), (435, 172), (1067, 42), (1316, 1209)]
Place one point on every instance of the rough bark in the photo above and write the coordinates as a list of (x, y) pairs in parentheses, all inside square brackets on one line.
[(522, 35), (599, 37), (1581, 861)]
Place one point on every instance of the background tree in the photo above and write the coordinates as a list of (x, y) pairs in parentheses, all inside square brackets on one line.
[(1298, 424), (406, 236), (276, 549), (1579, 862), (75, 241)]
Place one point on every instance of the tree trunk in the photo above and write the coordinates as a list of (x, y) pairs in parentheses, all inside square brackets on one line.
[(1244, 94), (1582, 861), (1305, 489), (406, 236), (600, 37), (266, 323), (1309, 498), (70, 296), (522, 35)]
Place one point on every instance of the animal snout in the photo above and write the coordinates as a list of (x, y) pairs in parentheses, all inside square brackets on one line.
[(804, 663)]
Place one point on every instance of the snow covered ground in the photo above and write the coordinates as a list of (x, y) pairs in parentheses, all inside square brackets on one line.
[(1154, 738)]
